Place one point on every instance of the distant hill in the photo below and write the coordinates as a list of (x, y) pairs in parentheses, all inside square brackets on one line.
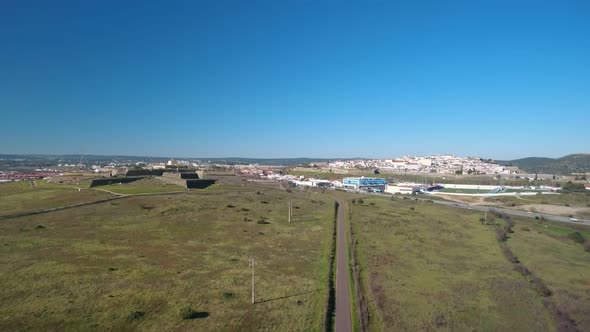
[(573, 163)]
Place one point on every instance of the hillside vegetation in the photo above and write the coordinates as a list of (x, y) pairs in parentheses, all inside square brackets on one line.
[(573, 163)]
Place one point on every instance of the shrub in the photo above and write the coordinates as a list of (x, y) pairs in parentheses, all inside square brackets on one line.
[(361, 201), (540, 287), (244, 209), (135, 315), (354, 201), (40, 227), (372, 204), (587, 246), (263, 222), (482, 220), (501, 234), (228, 295), (412, 208), (264, 202), (509, 255), (577, 237), (188, 313), (574, 187), (526, 229), (230, 206), (522, 269)]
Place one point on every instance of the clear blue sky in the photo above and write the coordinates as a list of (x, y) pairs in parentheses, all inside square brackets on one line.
[(500, 79)]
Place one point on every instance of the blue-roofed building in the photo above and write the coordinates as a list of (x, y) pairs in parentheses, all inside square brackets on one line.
[(364, 183)]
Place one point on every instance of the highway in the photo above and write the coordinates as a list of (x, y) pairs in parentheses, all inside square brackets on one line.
[(513, 212), (482, 208)]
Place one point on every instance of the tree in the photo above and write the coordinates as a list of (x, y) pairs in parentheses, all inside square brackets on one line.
[(574, 187)]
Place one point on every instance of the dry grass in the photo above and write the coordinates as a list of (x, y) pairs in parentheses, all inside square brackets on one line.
[(435, 267), (25, 196), (138, 263)]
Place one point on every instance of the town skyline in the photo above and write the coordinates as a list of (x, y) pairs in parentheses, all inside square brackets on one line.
[(221, 157)]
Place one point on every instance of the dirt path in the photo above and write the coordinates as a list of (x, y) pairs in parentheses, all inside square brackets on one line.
[(343, 308), (103, 200), (551, 209)]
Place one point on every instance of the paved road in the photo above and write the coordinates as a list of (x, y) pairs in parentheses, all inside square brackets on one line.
[(343, 308)]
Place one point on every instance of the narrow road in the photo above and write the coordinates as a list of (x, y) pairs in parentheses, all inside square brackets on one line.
[(343, 308)]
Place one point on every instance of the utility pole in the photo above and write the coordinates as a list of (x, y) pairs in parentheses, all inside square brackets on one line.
[(290, 205), (252, 266)]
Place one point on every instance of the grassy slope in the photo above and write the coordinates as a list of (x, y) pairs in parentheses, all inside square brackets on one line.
[(143, 186), (24, 196), (438, 267), (562, 264), (169, 252)]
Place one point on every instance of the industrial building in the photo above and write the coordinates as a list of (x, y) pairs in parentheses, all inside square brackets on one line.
[(363, 183), (402, 188)]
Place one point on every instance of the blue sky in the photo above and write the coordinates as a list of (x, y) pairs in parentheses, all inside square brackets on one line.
[(499, 79)]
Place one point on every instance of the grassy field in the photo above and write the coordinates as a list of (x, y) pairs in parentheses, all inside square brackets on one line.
[(571, 199), (139, 263), (144, 186), (560, 262), (428, 267), (24, 196)]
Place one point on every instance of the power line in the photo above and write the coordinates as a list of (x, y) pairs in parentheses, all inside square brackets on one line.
[(252, 266)]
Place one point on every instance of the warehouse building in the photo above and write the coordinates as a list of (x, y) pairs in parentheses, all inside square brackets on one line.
[(363, 183)]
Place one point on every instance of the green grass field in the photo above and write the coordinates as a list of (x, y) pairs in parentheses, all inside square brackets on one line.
[(25, 196), (560, 262), (144, 186), (136, 263), (428, 267)]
